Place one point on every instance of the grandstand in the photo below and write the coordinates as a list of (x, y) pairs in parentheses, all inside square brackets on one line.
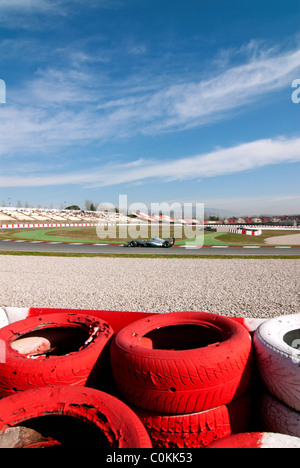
[(44, 216), (10, 215), (292, 220)]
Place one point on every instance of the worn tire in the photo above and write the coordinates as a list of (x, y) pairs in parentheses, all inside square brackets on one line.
[(197, 430), (81, 343), (277, 361), (212, 367), (278, 417), (85, 417), (257, 440)]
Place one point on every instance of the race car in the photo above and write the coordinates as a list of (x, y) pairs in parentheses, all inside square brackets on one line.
[(153, 242)]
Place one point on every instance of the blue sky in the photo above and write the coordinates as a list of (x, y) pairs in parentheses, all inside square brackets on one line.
[(161, 100)]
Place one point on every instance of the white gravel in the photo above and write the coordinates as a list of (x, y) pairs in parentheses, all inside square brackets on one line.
[(291, 239), (236, 287)]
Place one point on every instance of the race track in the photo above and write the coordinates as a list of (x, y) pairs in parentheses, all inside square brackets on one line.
[(80, 248)]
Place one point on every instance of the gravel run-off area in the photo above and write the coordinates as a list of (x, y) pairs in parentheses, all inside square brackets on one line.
[(291, 239), (258, 288)]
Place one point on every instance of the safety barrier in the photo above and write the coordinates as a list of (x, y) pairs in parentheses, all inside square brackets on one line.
[(30, 226), (149, 363), (253, 230), (239, 230)]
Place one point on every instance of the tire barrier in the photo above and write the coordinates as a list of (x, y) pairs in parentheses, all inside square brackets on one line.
[(70, 417), (117, 319), (186, 376), (277, 351), (257, 440), (197, 430), (210, 365), (276, 343), (278, 417), (78, 345)]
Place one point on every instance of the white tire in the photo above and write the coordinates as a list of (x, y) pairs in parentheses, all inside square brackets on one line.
[(257, 440), (14, 314), (276, 343), (3, 318), (277, 417)]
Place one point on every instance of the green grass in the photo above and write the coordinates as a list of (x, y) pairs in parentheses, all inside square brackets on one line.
[(90, 235), (93, 235), (240, 239)]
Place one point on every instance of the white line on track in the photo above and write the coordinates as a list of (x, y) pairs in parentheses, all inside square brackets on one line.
[(190, 246), (99, 245)]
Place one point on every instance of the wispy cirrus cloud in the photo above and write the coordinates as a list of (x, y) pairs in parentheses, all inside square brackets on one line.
[(24, 14), (75, 106), (25, 5), (79, 105), (51, 6), (244, 157), (190, 104)]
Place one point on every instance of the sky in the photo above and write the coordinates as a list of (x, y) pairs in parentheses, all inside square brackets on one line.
[(164, 101)]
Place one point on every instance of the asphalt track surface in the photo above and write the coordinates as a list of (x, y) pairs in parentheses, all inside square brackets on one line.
[(80, 248)]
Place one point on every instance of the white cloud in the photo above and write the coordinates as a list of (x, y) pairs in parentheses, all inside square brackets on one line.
[(28, 14), (45, 6), (243, 157), (25, 4), (191, 104), (72, 105), (247, 156)]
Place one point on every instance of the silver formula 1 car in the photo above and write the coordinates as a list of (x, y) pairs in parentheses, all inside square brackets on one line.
[(153, 242)]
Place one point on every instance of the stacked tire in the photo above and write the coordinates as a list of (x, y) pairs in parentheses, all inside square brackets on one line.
[(187, 376), (277, 349), (76, 354), (56, 365), (69, 417), (257, 440)]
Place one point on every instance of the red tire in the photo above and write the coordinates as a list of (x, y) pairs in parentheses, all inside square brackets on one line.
[(72, 417), (210, 365), (79, 341), (197, 430)]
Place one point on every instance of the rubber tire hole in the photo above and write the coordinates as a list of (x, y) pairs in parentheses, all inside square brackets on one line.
[(183, 337), (64, 340)]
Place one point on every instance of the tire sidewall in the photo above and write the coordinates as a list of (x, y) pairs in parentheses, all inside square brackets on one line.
[(184, 381), (233, 335), (277, 362), (71, 369), (87, 404)]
